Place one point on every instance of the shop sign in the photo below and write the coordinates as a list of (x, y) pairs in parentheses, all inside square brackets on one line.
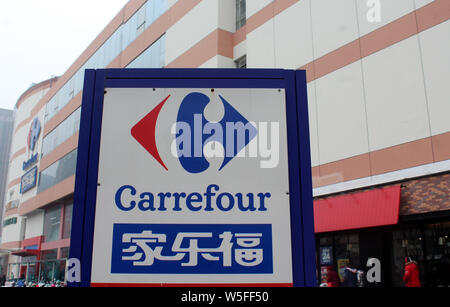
[(29, 180), (33, 134), (29, 163), (194, 177), (326, 255), (341, 265)]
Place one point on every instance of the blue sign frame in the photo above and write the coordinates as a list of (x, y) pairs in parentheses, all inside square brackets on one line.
[(299, 160)]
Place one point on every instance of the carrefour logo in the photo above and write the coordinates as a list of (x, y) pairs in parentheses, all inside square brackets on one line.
[(193, 137), (33, 134), (33, 137), (197, 138)]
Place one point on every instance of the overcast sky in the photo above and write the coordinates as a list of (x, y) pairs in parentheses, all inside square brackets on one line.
[(41, 38)]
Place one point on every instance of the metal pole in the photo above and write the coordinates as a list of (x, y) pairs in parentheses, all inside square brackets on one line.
[(53, 271), (38, 263), (27, 272)]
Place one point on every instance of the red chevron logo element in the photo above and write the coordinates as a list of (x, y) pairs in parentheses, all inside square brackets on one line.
[(145, 132)]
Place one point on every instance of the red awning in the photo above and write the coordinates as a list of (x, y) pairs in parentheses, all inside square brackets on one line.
[(26, 252), (379, 207)]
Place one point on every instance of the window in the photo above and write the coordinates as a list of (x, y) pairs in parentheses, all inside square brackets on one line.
[(241, 62), (140, 20), (240, 14), (64, 253), (112, 47), (53, 217), (437, 248), (152, 57), (62, 132), (58, 171), (50, 269), (12, 205), (52, 221), (67, 221)]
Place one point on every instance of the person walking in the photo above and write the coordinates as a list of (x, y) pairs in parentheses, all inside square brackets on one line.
[(350, 275), (411, 276), (333, 279)]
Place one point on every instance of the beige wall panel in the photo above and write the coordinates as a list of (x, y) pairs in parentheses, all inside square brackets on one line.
[(253, 6), (260, 47), (388, 11), (341, 114), (334, 24), (435, 44), (312, 114), (293, 40), (395, 95), (420, 3), (192, 28)]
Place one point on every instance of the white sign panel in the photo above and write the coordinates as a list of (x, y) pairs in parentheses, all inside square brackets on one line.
[(193, 188)]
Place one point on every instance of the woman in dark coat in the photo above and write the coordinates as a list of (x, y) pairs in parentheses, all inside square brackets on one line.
[(350, 276)]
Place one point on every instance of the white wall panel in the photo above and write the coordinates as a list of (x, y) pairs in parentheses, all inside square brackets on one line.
[(193, 27), (22, 113), (435, 44), (225, 62), (334, 24), (227, 15), (34, 225), (253, 6), (171, 2), (396, 103), (15, 168), (389, 11), (341, 114), (240, 50), (218, 61), (293, 39), (260, 47), (24, 110), (11, 233), (312, 114), (420, 3), (20, 138)]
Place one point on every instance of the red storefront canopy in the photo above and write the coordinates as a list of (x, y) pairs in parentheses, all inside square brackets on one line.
[(26, 252), (379, 207)]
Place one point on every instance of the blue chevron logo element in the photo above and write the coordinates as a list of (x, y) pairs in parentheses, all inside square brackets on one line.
[(233, 131)]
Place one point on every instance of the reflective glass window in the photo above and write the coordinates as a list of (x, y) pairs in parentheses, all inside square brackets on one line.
[(152, 57), (240, 14), (52, 221), (62, 132), (58, 171), (117, 42), (67, 221)]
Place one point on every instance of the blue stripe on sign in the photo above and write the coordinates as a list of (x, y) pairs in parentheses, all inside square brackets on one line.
[(192, 249)]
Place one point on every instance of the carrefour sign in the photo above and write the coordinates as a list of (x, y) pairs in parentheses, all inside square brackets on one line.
[(194, 177), (29, 179)]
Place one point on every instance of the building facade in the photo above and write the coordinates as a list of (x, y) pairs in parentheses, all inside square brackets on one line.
[(378, 75), (6, 127)]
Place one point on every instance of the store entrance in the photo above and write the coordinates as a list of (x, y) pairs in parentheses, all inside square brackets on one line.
[(337, 249), (428, 244)]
